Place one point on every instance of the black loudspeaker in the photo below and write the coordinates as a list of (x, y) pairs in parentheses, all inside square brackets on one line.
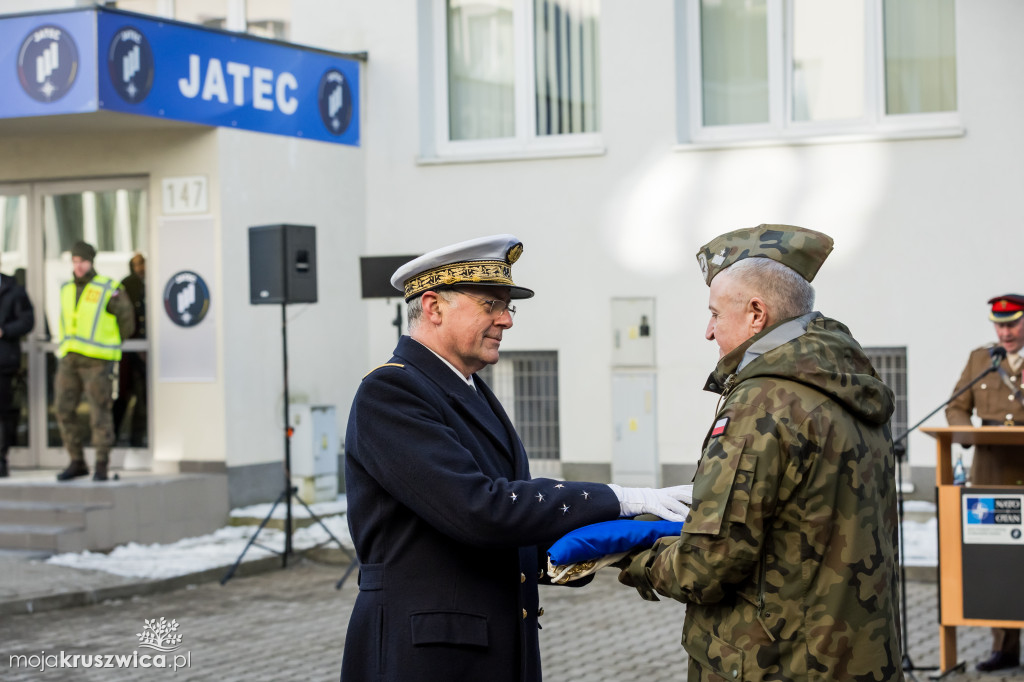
[(375, 273), (282, 264)]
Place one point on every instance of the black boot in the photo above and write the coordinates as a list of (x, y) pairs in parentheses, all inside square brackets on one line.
[(75, 469), (998, 661), (101, 472), (3, 466)]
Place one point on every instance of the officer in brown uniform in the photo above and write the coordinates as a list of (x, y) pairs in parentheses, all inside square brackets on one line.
[(998, 401), (95, 316)]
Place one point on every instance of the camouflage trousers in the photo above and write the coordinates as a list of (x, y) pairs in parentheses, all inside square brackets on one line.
[(77, 374)]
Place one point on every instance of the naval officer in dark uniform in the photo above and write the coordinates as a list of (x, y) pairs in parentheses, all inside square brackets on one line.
[(998, 401), (449, 528)]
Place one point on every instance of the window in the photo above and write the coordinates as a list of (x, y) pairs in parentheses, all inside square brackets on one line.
[(515, 76), (920, 57), (112, 220), (526, 383), (264, 18), (13, 226), (764, 69), (891, 365)]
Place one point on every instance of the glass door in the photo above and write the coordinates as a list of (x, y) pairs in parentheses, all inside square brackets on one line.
[(112, 215)]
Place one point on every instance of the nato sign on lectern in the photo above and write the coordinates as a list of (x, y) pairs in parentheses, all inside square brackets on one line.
[(981, 541)]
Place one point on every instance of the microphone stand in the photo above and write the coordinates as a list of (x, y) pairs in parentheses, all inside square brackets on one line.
[(900, 450)]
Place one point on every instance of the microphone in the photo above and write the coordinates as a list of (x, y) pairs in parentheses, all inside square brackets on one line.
[(997, 353)]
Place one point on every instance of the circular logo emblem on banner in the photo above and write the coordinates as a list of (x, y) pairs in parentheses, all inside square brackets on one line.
[(130, 62), (335, 98), (47, 63), (186, 299)]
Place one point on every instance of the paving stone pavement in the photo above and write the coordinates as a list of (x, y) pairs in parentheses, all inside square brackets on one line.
[(289, 625)]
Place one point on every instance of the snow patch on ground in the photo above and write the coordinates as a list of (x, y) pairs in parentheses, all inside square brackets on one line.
[(218, 549)]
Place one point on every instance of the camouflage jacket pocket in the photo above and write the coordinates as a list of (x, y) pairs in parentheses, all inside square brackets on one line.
[(712, 659), (722, 488)]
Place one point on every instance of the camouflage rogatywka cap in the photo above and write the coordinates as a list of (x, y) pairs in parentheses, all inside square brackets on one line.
[(799, 248)]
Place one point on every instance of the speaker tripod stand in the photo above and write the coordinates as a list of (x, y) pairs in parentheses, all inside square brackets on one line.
[(289, 491)]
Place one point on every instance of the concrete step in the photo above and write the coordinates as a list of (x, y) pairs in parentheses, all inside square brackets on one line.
[(138, 506), (50, 538), (47, 513), (80, 490)]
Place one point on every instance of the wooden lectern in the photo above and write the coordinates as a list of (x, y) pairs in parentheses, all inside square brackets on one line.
[(959, 604)]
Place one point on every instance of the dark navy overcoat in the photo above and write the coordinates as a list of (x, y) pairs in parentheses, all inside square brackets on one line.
[(447, 524)]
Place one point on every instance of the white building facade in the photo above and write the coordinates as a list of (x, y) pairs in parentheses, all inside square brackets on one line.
[(614, 138), (887, 124)]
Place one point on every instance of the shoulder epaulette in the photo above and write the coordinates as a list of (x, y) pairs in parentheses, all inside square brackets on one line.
[(386, 364)]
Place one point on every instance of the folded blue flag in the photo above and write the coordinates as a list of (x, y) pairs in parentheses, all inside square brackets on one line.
[(609, 537)]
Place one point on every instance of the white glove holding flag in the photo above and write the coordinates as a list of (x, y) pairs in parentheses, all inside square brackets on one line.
[(670, 504)]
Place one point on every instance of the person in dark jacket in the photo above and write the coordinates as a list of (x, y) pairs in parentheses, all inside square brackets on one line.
[(131, 375), (16, 320), (448, 526)]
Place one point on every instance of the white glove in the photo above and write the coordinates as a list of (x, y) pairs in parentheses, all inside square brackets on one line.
[(668, 503)]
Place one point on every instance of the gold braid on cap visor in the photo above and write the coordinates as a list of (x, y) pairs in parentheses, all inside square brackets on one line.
[(471, 272), (1006, 317)]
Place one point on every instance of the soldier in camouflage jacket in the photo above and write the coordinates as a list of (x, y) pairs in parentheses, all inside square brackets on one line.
[(787, 562)]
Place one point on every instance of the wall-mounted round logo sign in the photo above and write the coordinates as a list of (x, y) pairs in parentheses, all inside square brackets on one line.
[(47, 63), (130, 63), (335, 100), (186, 298)]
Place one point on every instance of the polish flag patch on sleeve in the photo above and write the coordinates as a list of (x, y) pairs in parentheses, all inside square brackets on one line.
[(719, 427)]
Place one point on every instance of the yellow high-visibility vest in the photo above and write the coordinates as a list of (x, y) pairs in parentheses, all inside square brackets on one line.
[(86, 327)]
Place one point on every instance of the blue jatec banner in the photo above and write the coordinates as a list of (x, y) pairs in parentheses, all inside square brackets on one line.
[(101, 60)]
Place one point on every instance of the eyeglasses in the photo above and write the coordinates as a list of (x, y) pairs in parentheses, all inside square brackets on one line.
[(495, 306)]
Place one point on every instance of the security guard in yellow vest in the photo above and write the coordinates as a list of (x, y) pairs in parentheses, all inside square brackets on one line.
[(95, 314)]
